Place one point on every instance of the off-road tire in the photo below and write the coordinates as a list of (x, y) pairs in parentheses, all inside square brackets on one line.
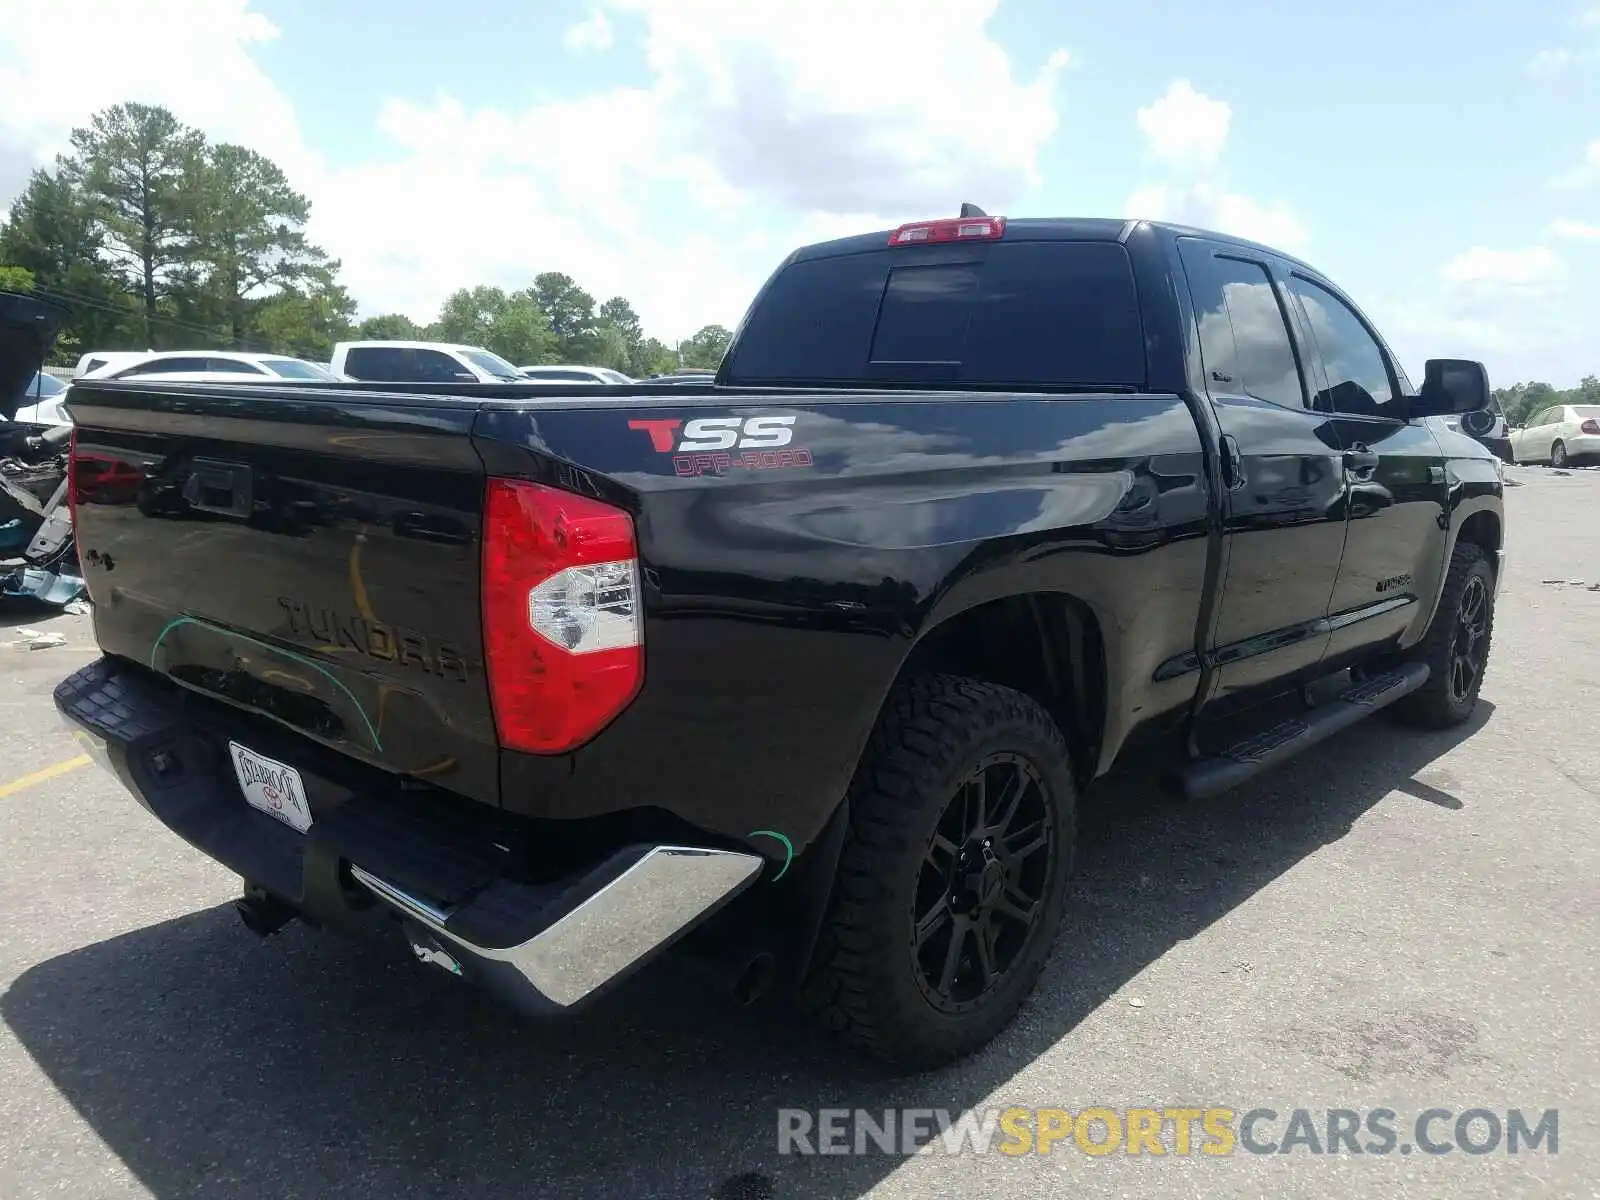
[(865, 982), (1436, 705)]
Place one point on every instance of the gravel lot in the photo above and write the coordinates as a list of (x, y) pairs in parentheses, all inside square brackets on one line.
[(1394, 920)]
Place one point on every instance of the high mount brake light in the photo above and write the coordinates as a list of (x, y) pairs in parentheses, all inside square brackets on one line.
[(952, 229), (563, 634)]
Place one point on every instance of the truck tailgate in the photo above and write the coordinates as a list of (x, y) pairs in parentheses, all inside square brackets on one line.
[(314, 560)]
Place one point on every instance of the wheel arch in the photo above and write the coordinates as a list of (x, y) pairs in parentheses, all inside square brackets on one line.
[(1047, 645)]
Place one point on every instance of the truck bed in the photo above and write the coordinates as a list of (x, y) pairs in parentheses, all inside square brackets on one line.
[(311, 555)]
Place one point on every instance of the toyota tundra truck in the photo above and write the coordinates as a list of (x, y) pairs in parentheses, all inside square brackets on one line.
[(804, 669)]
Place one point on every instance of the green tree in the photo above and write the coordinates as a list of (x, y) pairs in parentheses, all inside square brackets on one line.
[(52, 232), (653, 357), (609, 348), (389, 327), (303, 322), (617, 314), (468, 316), (16, 279), (1531, 396), (569, 312), (250, 237), (705, 348), (522, 332), (513, 326), (138, 166), (1588, 390)]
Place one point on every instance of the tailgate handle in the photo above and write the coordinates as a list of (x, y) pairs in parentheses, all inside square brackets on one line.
[(219, 487)]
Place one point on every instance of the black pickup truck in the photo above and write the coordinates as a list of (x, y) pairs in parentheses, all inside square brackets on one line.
[(807, 667)]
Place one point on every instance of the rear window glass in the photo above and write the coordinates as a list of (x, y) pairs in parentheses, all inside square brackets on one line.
[(1586, 412), (1044, 314)]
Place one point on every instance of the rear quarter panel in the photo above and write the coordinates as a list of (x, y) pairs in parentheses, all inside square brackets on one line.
[(784, 590)]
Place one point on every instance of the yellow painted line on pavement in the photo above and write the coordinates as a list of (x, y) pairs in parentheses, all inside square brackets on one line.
[(44, 776)]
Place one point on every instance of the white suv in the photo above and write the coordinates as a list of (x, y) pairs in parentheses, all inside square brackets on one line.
[(421, 362)]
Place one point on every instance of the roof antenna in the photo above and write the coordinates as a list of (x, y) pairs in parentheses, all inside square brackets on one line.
[(972, 210)]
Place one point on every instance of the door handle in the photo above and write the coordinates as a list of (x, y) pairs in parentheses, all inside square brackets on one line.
[(1360, 461)]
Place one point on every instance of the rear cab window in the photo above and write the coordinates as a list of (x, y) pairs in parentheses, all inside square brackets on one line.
[(400, 364), (1023, 314)]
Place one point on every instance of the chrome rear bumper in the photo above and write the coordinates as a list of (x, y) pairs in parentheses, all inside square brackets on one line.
[(544, 946), (664, 893)]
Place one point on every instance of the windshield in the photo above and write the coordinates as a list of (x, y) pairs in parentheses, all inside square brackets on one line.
[(44, 385), (491, 363), (294, 368), (613, 376)]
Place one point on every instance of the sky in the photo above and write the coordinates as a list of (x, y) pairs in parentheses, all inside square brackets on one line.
[(1441, 161)]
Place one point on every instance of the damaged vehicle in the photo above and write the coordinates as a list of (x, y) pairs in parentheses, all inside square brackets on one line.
[(38, 554)]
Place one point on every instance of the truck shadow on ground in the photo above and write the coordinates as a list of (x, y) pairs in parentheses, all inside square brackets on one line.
[(211, 1064)]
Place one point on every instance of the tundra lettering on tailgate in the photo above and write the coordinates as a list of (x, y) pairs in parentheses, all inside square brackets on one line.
[(722, 444), (388, 643)]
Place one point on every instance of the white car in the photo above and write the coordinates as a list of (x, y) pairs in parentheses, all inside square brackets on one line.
[(100, 359), (1562, 435), (215, 366), (565, 374), (48, 395), (421, 362)]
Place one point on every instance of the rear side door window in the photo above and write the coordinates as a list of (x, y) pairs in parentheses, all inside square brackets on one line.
[(1245, 345), (232, 366), (1357, 370), (164, 366), (376, 362)]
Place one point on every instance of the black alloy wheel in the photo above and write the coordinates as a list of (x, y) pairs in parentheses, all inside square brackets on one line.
[(1469, 648), (983, 883)]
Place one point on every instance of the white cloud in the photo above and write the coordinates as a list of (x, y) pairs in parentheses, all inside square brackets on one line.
[(1584, 175), (1187, 131), (592, 33), (1520, 311), (218, 86), (755, 129), (1556, 59), (1533, 267), (1185, 127), (782, 105), (1564, 227), (1548, 62), (1209, 206)]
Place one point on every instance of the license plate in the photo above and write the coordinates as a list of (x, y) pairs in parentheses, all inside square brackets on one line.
[(273, 787)]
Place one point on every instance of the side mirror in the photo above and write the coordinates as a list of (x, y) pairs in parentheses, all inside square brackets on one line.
[(1451, 386)]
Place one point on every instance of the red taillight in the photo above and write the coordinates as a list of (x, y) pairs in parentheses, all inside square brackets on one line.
[(72, 478), (563, 633), (951, 229), (1591, 426)]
